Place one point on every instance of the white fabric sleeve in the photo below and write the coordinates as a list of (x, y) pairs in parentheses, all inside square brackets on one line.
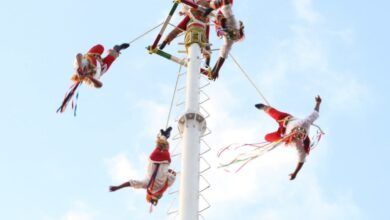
[(311, 118), (226, 47)]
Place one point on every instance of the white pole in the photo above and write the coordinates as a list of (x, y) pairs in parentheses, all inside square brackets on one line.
[(192, 125), (193, 78)]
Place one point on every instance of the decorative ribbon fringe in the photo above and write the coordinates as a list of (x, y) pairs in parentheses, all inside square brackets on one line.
[(69, 97), (254, 150)]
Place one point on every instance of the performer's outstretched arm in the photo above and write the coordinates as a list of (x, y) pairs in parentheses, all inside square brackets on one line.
[(297, 169), (318, 103), (123, 185)]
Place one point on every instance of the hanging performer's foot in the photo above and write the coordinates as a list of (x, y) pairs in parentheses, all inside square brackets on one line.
[(166, 133), (208, 61), (162, 45), (215, 72), (113, 188), (206, 11), (123, 46), (260, 106)]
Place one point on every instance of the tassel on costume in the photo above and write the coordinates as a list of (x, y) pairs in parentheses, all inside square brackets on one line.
[(68, 97)]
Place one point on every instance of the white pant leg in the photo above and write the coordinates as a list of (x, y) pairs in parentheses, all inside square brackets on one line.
[(171, 179), (137, 184), (226, 47), (228, 14)]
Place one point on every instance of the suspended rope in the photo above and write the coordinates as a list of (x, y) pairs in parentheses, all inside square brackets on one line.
[(147, 32), (173, 96), (258, 90), (250, 80), (175, 26)]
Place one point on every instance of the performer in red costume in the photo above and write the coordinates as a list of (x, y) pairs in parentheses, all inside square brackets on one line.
[(91, 66), (294, 130), (227, 27), (159, 176), (193, 19)]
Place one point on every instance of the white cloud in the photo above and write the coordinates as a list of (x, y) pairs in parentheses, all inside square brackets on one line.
[(302, 61), (120, 169), (154, 115), (80, 211), (78, 215), (305, 11), (347, 35), (307, 49), (349, 93), (310, 198)]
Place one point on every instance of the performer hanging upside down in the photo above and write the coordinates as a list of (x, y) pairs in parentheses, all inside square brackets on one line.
[(227, 27), (91, 66), (159, 176), (294, 130), (193, 19)]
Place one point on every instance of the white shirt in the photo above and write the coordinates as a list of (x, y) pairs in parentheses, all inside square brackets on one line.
[(305, 124)]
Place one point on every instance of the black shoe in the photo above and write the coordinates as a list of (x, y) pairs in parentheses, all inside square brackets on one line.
[(207, 11), (166, 133), (208, 59), (163, 44), (215, 72), (123, 46), (260, 106)]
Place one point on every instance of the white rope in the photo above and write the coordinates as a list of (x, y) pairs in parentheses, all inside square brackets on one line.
[(147, 32), (173, 96), (261, 94), (249, 79), (181, 33), (175, 26)]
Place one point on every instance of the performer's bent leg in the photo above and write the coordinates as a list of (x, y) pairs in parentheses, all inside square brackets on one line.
[(275, 114), (139, 184), (278, 116), (182, 26), (226, 47), (97, 49), (271, 137), (108, 60), (219, 3)]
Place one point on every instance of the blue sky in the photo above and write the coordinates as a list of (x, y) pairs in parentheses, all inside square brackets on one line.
[(59, 166)]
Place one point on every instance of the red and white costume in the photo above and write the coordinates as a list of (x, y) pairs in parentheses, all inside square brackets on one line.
[(164, 177), (232, 30), (288, 125), (192, 19), (94, 58)]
